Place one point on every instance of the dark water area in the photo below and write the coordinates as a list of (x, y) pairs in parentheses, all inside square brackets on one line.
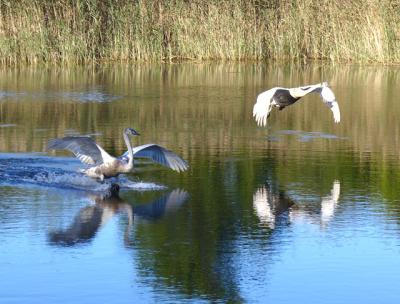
[(303, 210)]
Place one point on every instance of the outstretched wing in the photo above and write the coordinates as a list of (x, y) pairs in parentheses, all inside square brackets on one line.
[(84, 148), (159, 155), (263, 107), (330, 100)]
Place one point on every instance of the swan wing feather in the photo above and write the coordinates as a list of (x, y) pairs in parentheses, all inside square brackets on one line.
[(159, 155), (263, 107), (83, 147), (330, 100)]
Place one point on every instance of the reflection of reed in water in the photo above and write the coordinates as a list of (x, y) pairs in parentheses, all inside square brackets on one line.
[(191, 106), (201, 103), (91, 218)]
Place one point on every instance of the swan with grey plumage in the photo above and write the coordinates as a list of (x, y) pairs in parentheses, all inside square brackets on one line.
[(283, 97), (104, 165)]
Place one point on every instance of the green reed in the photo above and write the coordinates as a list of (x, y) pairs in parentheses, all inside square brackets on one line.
[(78, 31)]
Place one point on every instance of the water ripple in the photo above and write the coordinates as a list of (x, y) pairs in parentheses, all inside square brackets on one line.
[(303, 136), (93, 95)]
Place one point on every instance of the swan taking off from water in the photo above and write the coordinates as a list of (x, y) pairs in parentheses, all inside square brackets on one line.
[(282, 97), (104, 165)]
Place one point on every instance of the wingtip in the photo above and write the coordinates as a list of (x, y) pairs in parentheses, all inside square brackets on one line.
[(262, 121), (336, 119), (183, 167), (179, 165)]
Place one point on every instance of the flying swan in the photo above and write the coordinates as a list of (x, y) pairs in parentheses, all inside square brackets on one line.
[(104, 165), (283, 97)]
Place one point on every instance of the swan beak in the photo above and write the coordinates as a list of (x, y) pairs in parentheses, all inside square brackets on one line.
[(134, 132)]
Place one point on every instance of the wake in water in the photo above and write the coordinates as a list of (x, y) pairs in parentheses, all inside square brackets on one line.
[(94, 95), (49, 172)]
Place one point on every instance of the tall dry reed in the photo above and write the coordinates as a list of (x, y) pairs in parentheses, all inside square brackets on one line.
[(77, 31)]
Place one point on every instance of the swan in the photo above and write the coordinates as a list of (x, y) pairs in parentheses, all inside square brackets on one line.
[(283, 97), (104, 165)]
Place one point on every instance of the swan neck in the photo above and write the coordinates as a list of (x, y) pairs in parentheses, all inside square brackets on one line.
[(130, 151), (302, 91)]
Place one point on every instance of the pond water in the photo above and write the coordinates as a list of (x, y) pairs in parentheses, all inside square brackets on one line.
[(303, 210)]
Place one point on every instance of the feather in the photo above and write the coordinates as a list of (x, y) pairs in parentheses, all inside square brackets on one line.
[(84, 148), (159, 155)]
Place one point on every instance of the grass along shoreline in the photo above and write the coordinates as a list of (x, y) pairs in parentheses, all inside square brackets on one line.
[(80, 31)]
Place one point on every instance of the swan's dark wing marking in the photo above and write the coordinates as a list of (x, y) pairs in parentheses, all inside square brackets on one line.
[(84, 148), (330, 100), (159, 155)]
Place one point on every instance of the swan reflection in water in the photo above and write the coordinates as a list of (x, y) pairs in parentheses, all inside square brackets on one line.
[(329, 203), (270, 203), (91, 218)]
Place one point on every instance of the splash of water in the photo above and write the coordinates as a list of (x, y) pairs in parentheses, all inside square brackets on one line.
[(17, 170), (125, 183)]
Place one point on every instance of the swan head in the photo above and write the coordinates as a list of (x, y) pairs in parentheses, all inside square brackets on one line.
[(130, 131)]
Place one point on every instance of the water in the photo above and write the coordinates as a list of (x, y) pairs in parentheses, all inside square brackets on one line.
[(303, 210)]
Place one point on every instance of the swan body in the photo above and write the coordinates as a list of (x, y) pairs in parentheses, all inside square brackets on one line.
[(103, 165), (283, 97)]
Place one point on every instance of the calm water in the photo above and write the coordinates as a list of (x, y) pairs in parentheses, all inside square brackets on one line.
[(303, 211)]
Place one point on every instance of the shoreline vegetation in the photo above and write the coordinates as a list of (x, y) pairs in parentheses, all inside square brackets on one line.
[(83, 31)]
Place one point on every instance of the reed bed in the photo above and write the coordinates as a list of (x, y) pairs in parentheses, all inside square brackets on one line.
[(79, 31)]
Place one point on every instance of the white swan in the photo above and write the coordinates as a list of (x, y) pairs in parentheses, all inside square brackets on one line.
[(283, 97), (105, 165)]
